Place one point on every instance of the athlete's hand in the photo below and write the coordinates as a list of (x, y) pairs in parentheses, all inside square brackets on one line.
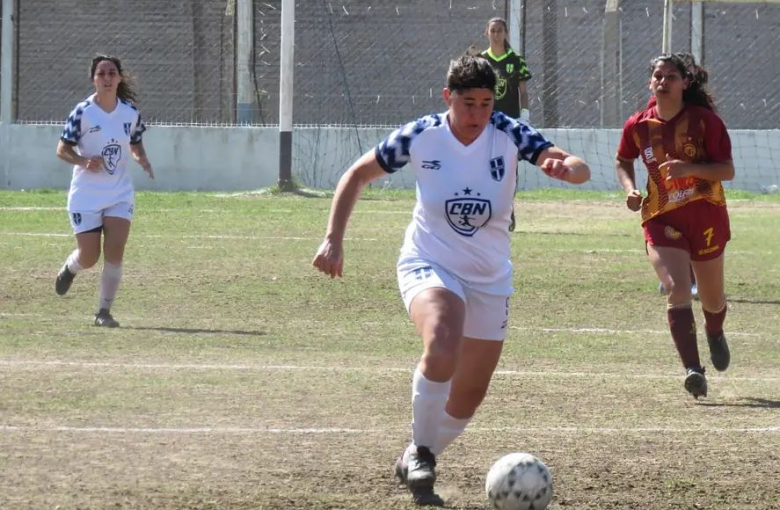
[(329, 259), (94, 164), (147, 168), (556, 169), (634, 200), (674, 168)]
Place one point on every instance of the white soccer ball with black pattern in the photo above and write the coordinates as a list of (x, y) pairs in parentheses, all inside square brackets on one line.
[(519, 481)]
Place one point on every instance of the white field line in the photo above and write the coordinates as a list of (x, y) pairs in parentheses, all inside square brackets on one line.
[(616, 331), (605, 331), (307, 368), (217, 237), (338, 430)]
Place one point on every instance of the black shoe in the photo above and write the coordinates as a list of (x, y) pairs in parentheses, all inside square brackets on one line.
[(696, 383), (719, 351), (423, 476), (104, 319), (63, 281)]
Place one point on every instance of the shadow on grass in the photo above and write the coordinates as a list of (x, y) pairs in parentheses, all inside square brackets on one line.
[(755, 301), (200, 330), (761, 403)]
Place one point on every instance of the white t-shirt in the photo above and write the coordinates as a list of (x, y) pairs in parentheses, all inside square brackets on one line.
[(464, 194), (98, 133)]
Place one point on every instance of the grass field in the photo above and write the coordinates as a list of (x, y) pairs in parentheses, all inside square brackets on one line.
[(242, 379)]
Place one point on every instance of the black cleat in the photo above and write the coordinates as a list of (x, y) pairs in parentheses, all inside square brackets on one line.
[(421, 466), (104, 319), (63, 281), (696, 383), (719, 351)]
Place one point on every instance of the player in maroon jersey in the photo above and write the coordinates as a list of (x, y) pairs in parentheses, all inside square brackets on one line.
[(687, 151)]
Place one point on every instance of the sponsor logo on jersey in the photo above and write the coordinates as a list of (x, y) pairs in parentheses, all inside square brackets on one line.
[(433, 164), (112, 153), (497, 169), (510, 68), (690, 150), (649, 157), (467, 214), (77, 218), (95, 129), (128, 125)]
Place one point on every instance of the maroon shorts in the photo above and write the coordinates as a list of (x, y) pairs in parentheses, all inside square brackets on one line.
[(701, 228)]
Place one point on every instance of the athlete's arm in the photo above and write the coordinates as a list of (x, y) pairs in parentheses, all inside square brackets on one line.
[(706, 171), (627, 178), (330, 255), (523, 95), (139, 155), (559, 164), (67, 153)]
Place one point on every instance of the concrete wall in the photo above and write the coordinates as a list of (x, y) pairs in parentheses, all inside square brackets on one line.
[(244, 158)]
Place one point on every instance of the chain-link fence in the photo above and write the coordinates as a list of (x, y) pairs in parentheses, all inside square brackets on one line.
[(381, 63)]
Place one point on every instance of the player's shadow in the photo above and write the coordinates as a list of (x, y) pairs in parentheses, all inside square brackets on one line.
[(192, 331), (755, 301), (759, 403)]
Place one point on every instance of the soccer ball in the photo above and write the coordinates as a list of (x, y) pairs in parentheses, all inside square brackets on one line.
[(519, 481)]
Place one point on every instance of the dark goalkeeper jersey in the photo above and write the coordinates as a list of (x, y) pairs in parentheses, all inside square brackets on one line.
[(510, 69)]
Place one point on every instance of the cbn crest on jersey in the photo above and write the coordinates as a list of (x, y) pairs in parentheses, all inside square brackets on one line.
[(395, 150), (112, 154), (467, 213)]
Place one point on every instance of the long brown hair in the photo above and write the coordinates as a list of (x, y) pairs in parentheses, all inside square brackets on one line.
[(125, 91), (696, 93)]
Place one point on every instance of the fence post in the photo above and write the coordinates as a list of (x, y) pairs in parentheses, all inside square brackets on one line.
[(8, 64), (286, 95), (245, 103), (611, 89)]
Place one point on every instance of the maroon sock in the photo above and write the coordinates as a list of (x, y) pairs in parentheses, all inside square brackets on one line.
[(713, 322), (683, 328)]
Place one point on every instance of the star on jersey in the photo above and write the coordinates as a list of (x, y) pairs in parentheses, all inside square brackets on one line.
[(466, 214)]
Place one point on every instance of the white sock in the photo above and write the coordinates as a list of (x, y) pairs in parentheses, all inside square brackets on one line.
[(449, 430), (109, 284), (73, 262), (428, 401)]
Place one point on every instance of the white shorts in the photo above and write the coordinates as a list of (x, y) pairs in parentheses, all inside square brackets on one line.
[(90, 220), (487, 315)]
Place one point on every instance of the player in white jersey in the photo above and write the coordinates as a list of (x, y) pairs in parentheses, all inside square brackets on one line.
[(454, 271), (101, 133)]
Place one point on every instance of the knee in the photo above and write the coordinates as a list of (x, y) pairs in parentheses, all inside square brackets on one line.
[(441, 352), (678, 293)]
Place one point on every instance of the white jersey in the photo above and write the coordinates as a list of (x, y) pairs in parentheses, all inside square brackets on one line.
[(109, 135), (464, 194)]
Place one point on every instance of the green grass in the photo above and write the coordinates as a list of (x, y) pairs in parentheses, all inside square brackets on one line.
[(231, 342)]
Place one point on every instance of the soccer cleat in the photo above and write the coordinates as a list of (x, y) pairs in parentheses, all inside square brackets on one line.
[(104, 319), (719, 351), (423, 476), (696, 383), (64, 280)]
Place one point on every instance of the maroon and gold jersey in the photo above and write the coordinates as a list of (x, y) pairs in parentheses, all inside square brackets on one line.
[(695, 135)]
